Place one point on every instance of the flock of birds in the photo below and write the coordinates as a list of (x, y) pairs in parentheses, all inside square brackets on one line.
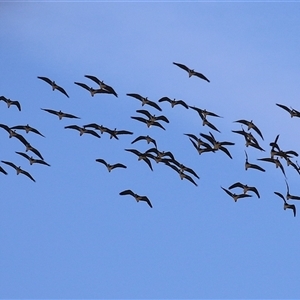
[(204, 143)]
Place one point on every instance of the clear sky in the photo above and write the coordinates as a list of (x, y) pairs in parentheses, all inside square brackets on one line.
[(70, 234)]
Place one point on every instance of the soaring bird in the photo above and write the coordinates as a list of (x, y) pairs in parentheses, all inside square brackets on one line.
[(109, 166), (275, 161), (34, 150), (288, 195), (286, 205), (27, 129), (173, 102), (136, 196), (145, 100), (141, 156), (103, 86), (3, 171), (245, 188), (33, 160), (250, 125), (60, 114), (293, 112), (203, 112), (147, 138), (216, 145), (11, 102), (98, 127), (13, 133), (183, 168), (18, 169), (114, 133), (83, 130), (161, 154), (152, 117), (148, 122), (252, 166), (90, 89), (54, 85), (234, 196), (181, 173), (191, 72)]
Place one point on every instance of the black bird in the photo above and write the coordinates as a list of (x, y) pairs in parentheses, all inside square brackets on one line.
[(234, 196), (293, 112), (252, 166), (54, 85), (60, 114), (32, 160), (250, 125), (34, 150), (249, 139), (202, 147), (18, 169), (245, 188), (83, 130), (173, 102), (161, 154), (184, 168), (90, 89), (148, 122), (275, 161), (136, 196), (286, 205), (152, 117), (145, 137), (203, 112), (98, 127), (141, 156), (181, 173), (103, 86), (109, 166), (3, 171), (114, 133), (145, 100), (288, 195), (216, 145), (27, 129), (13, 133), (11, 102), (191, 72)]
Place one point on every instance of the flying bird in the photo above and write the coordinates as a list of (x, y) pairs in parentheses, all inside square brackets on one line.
[(3, 171), (83, 130), (13, 133), (245, 188), (147, 138), (148, 122), (173, 102), (252, 166), (27, 129), (141, 156), (234, 196), (288, 195), (286, 205), (18, 169), (60, 114), (181, 173), (109, 166), (293, 112), (136, 196), (90, 89), (275, 161), (250, 125), (114, 133), (152, 117), (11, 102), (32, 160), (191, 72), (103, 86), (145, 100), (54, 85), (98, 127)]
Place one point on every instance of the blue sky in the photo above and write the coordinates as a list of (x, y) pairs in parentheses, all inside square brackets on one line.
[(70, 234)]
